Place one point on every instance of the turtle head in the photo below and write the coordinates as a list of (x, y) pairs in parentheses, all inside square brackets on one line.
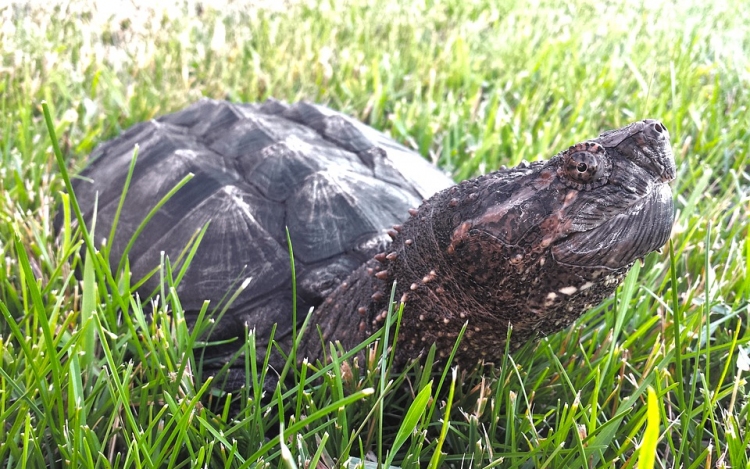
[(600, 204), (618, 206)]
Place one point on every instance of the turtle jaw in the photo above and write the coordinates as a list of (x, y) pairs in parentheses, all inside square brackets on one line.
[(623, 238)]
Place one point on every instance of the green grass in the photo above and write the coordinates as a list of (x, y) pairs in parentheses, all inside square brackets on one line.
[(87, 380)]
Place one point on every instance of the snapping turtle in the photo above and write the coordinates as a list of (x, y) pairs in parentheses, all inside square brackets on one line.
[(533, 246)]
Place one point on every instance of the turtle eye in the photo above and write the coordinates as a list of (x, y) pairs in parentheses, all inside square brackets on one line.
[(585, 166)]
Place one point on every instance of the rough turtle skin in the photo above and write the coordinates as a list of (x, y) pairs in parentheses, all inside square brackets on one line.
[(532, 247)]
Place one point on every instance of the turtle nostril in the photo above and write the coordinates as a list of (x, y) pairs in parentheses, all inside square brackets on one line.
[(657, 129)]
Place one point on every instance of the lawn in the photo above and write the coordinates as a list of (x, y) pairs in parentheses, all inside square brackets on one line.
[(87, 380)]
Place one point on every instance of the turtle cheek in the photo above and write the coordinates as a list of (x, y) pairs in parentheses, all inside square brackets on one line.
[(624, 237)]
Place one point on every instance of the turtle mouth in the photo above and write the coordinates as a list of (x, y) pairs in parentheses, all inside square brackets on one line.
[(663, 163), (650, 148), (669, 172), (626, 236)]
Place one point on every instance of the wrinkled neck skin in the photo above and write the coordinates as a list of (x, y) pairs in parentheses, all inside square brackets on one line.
[(532, 247)]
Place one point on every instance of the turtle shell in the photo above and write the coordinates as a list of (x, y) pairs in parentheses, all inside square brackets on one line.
[(336, 184)]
